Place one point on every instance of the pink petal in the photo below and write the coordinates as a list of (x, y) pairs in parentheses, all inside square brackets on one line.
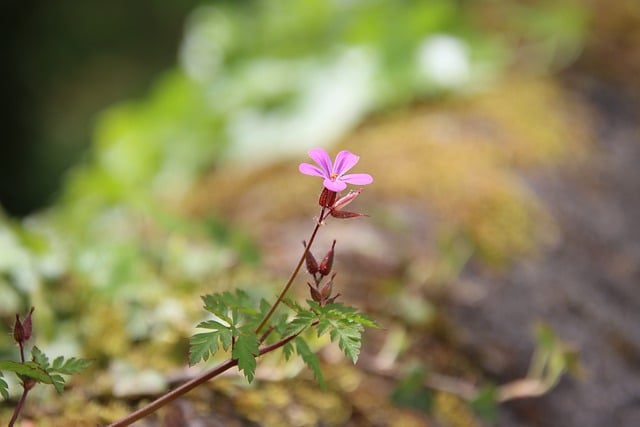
[(323, 160), (312, 170), (336, 186), (357, 178), (345, 160)]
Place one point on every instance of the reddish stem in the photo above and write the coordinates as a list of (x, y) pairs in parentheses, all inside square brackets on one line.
[(19, 406), (190, 385), (293, 274)]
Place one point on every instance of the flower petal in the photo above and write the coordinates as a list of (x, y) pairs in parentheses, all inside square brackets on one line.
[(357, 179), (336, 186), (312, 170), (345, 160), (321, 157)]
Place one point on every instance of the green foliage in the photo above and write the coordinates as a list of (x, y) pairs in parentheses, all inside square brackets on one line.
[(4, 387), (205, 344), (411, 392), (235, 323), (485, 403), (344, 325), (310, 359), (42, 371), (245, 351)]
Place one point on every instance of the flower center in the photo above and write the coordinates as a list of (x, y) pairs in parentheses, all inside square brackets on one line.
[(333, 176)]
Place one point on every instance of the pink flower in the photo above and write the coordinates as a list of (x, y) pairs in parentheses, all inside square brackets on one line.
[(334, 173)]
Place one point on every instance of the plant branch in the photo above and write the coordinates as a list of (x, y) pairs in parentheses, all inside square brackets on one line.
[(293, 274), (190, 385), (19, 406)]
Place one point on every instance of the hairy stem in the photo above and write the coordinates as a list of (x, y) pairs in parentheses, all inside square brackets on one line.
[(293, 274)]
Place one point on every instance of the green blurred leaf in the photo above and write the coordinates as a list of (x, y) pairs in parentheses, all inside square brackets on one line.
[(485, 403), (4, 387)]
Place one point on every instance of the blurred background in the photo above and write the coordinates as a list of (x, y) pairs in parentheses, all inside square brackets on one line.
[(150, 156)]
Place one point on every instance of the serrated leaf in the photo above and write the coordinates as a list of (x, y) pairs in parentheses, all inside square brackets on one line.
[(29, 369), (69, 366), (323, 326), (204, 345), (245, 351), (310, 359), (287, 350), (349, 340), (39, 357), (301, 322), (58, 382), (4, 387)]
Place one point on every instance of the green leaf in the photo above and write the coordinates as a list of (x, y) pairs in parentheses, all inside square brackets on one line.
[(206, 344), (302, 321), (69, 366), (288, 350), (310, 359), (28, 369), (39, 357), (245, 352), (349, 340), (485, 403), (4, 387)]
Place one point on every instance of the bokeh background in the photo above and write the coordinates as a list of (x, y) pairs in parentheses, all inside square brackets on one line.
[(150, 156)]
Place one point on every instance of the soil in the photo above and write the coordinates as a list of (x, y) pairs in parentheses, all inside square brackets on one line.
[(586, 286)]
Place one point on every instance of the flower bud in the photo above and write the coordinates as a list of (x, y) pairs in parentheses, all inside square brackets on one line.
[(315, 295), (28, 325), (327, 261), (18, 330), (327, 288), (22, 330), (327, 198), (312, 264)]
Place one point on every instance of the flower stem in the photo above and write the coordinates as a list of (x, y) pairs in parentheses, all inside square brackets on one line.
[(293, 274)]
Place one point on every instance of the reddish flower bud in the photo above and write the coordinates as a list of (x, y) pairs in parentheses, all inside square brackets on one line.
[(18, 330), (326, 290), (327, 261), (22, 330), (312, 264), (28, 325), (327, 198), (315, 295)]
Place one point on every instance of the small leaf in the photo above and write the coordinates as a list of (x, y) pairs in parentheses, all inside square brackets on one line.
[(348, 340), (58, 382), (301, 322), (288, 350), (4, 387), (39, 357), (485, 403), (201, 346), (310, 359), (245, 351), (69, 366), (27, 369)]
